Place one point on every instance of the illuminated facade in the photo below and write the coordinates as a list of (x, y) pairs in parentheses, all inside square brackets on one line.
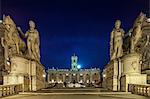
[(75, 75)]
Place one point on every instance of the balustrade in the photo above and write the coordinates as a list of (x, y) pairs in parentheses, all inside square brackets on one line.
[(6, 90), (139, 89)]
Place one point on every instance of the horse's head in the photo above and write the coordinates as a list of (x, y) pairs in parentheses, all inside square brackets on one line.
[(7, 21)]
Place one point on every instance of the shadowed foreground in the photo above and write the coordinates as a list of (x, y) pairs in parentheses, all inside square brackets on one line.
[(75, 93), (77, 96)]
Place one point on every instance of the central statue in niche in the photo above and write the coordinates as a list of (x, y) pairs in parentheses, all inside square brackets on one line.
[(116, 41)]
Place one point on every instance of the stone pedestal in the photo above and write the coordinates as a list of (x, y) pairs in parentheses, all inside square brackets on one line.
[(123, 71), (36, 72), (113, 74), (27, 72), (132, 79), (131, 64), (131, 71), (18, 73)]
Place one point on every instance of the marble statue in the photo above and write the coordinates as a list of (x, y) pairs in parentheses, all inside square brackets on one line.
[(116, 41), (11, 40), (143, 45), (136, 31), (33, 42), (146, 52)]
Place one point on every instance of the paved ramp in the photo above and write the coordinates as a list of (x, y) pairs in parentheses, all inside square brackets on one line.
[(75, 94), (101, 96)]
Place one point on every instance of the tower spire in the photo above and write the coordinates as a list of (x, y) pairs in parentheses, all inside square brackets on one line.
[(74, 62)]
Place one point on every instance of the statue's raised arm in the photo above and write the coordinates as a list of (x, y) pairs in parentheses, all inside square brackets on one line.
[(24, 35)]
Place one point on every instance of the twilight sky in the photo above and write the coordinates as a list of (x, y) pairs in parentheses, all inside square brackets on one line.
[(74, 26)]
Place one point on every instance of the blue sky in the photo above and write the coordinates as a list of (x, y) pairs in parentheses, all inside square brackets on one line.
[(74, 26)]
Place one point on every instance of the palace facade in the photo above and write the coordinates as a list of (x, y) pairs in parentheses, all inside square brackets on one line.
[(74, 75)]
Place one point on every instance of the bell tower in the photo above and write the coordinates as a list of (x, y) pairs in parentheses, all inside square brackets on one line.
[(74, 63)]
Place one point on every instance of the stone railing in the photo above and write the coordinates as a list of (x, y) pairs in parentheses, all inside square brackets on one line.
[(6, 90), (139, 89)]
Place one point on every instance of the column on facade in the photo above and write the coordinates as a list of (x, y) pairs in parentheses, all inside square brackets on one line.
[(48, 80), (64, 77), (70, 77), (57, 77), (78, 77), (91, 78), (84, 77)]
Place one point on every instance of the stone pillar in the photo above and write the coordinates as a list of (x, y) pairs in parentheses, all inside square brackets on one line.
[(33, 76), (33, 85), (30, 73), (119, 73), (115, 76)]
